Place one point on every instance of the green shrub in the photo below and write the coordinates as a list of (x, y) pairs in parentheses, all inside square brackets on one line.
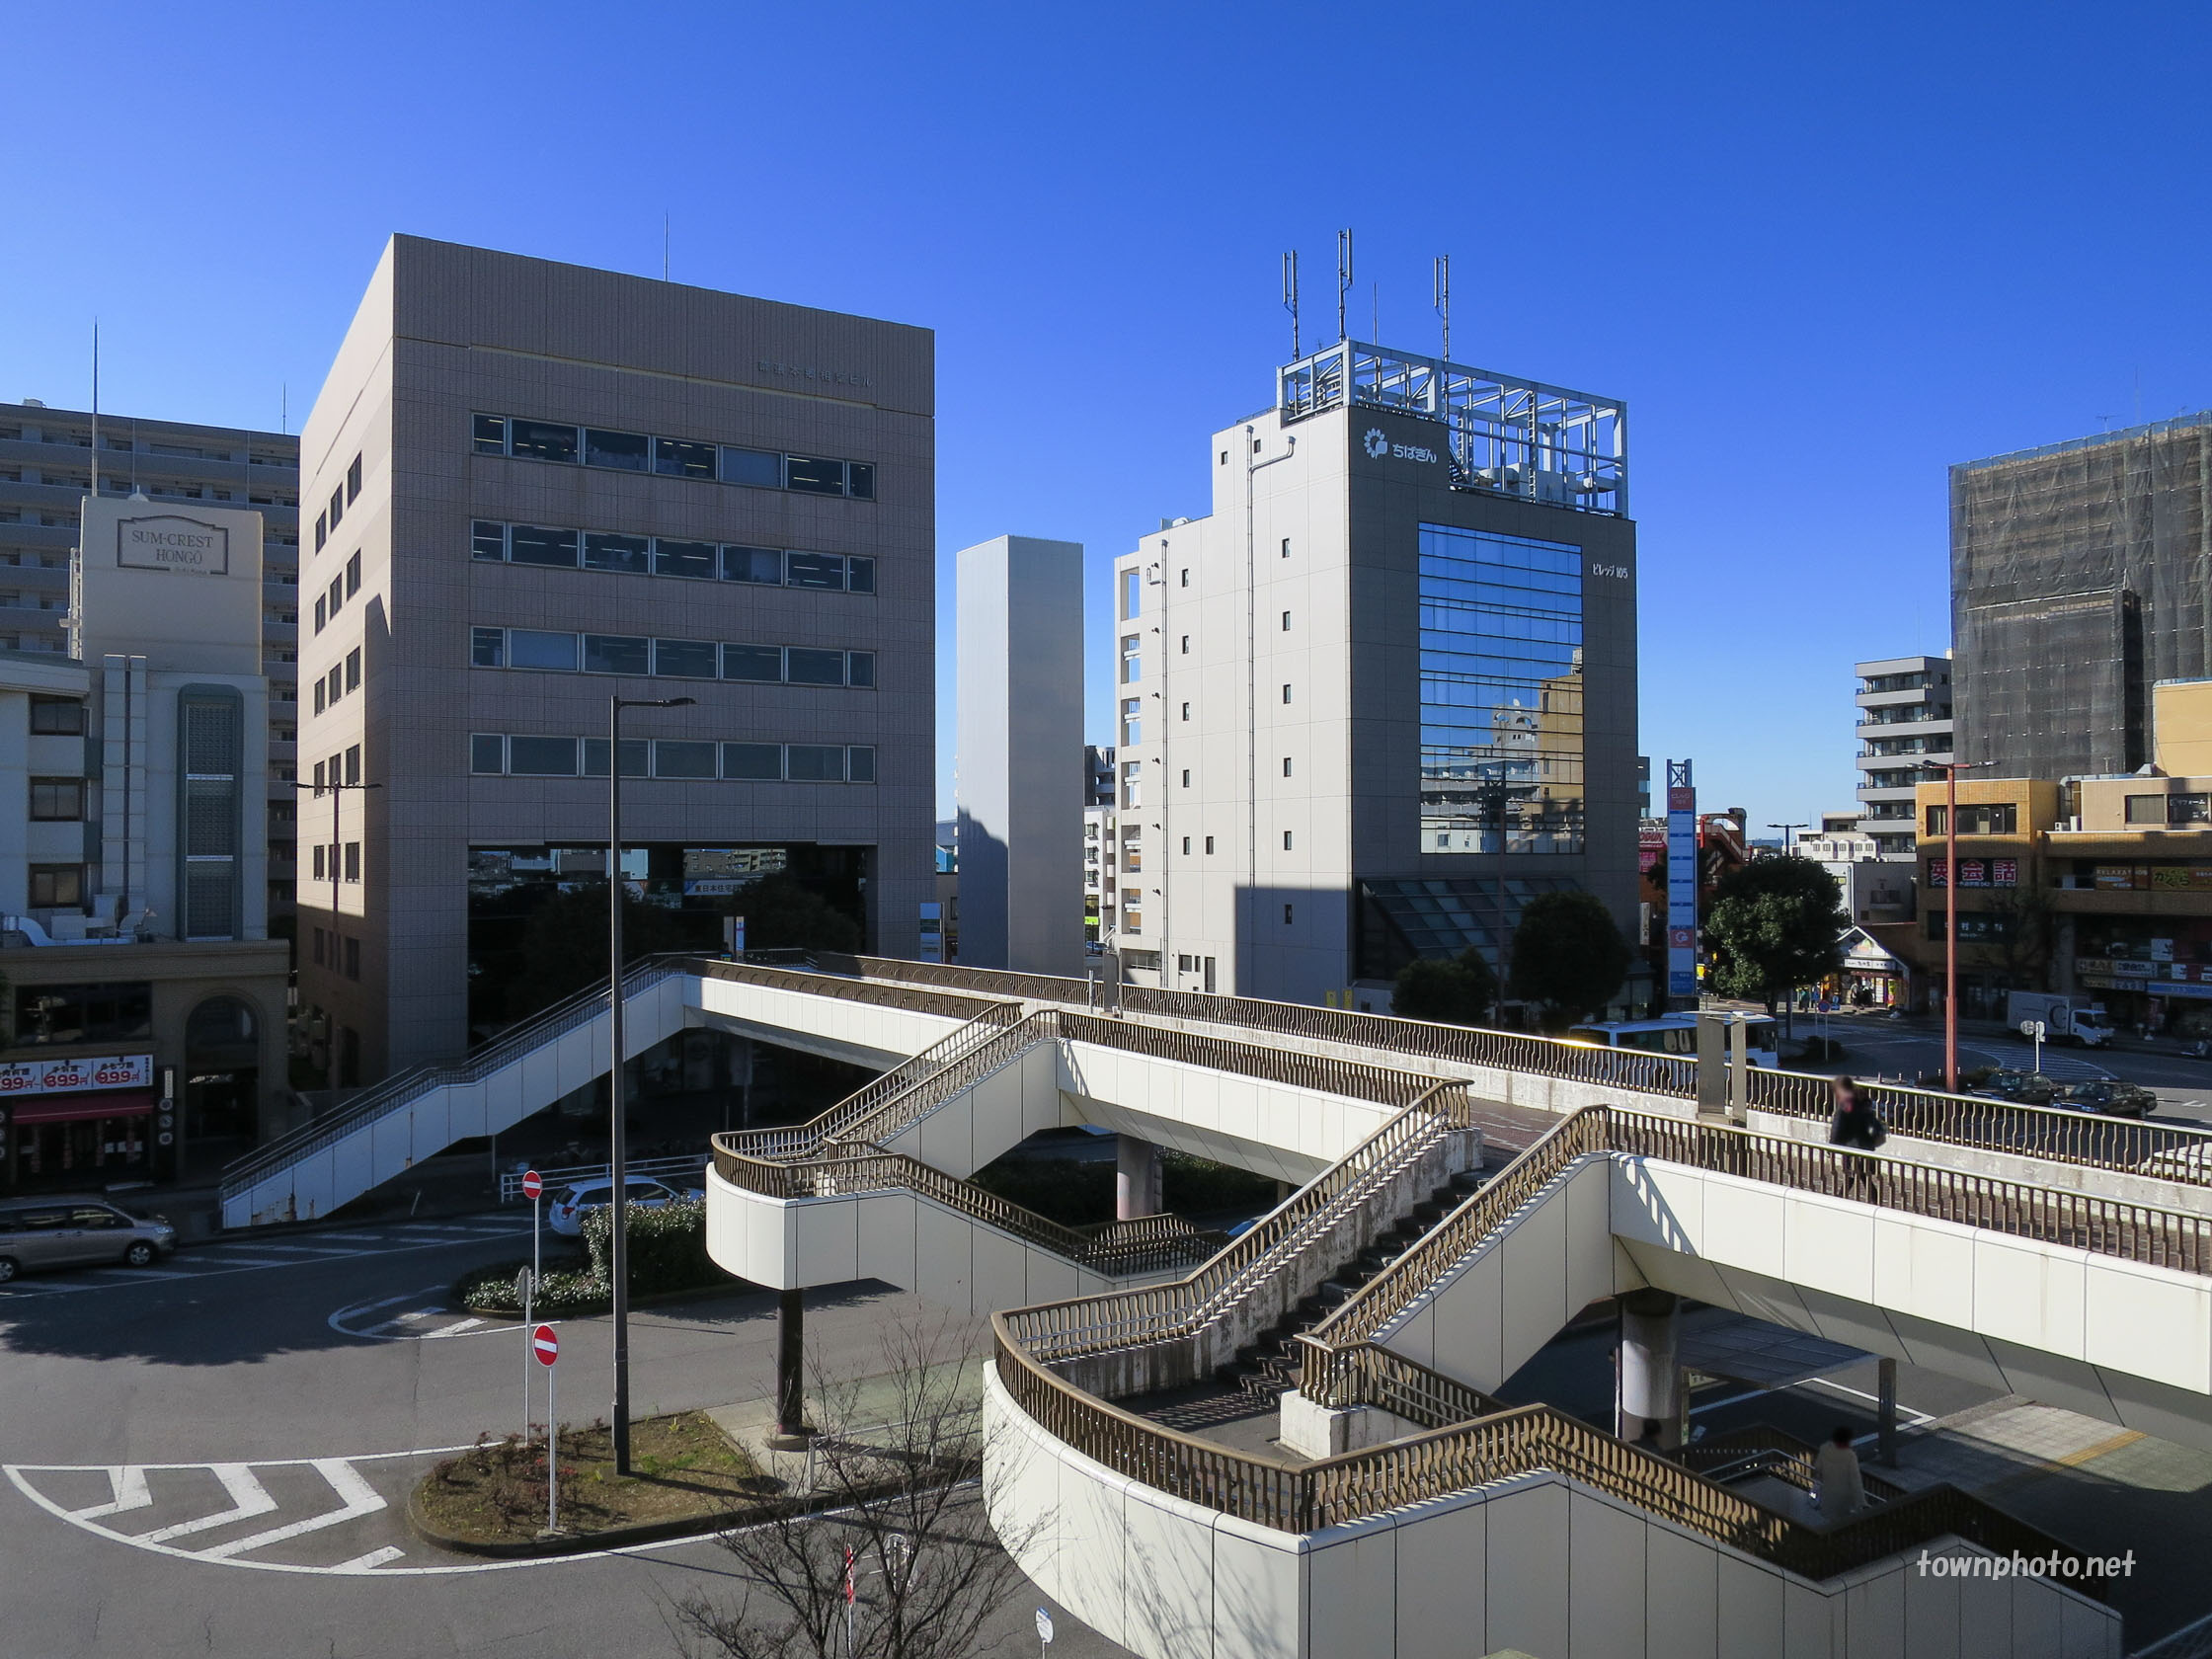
[(667, 1253)]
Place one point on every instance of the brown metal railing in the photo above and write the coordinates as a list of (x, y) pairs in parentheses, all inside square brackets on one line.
[(1763, 1448)]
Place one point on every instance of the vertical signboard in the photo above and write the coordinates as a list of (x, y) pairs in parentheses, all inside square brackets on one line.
[(1682, 882)]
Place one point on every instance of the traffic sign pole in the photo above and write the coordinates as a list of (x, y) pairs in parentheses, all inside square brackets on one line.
[(533, 1186), (545, 1347)]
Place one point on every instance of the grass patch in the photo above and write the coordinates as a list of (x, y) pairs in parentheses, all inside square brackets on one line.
[(684, 1469)]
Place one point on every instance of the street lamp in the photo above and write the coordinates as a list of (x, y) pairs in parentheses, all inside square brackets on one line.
[(1787, 830), (618, 1153), (1950, 771), (337, 799)]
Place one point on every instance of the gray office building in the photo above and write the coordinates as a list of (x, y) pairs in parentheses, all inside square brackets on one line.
[(534, 487), (1385, 693), (46, 472), (2081, 575)]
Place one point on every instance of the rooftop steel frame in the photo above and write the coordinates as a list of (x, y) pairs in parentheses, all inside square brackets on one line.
[(1508, 436)]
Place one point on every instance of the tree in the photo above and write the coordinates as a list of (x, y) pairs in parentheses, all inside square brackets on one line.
[(1457, 990), (1776, 923), (564, 945), (1568, 956), (929, 1571)]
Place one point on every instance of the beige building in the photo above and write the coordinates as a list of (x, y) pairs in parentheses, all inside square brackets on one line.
[(533, 487), (145, 1003)]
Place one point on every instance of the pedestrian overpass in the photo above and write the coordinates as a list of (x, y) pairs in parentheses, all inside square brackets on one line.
[(1408, 1512)]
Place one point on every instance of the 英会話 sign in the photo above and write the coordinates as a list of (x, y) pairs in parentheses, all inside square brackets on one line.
[(76, 1076)]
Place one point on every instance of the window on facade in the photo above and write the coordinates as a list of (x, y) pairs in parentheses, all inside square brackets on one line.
[(337, 593), (353, 576), (860, 668), (353, 480), (321, 870), (2141, 808), (1186, 645), (322, 531), (353, 764), (527, 544), (814, 570), (1209, 844), (320, 696), (812, 476), (760, 565), (488, 540), (57, 800), (1186, 711), (487, 433), (354, 668), (752, 661), (336, 683), (1132, 663), (626, 451), (814, 668), (1286, 765), (693, 559), (686, 658), (337, 507), (532, 648), (617, 553), (860, 763), (1285, 547), (1186, 579), (813, 763), (320, 610), (486, 753), (673, 758), (354, 959), (541, 441), (1285, 841), (757, 467), (860, 575), (1286, 693), (83, 1013), (759, 763), (1287, 915), (860, 482), (487, 648), (57, 716), (1133, 593), (353, 861), (637, 757), (541, 756), (617, 654), (1285, 621), (2188, 809), (674, 458), (55, 886)]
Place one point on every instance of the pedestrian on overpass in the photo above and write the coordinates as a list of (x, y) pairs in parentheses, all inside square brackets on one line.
[(1857, 1124), (1839, 1491)]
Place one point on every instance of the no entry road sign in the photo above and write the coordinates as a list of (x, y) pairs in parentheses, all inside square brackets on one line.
[(532, 1185), (545, 1343)]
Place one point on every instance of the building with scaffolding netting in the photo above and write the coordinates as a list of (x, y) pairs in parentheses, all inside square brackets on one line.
[(2081, 577)]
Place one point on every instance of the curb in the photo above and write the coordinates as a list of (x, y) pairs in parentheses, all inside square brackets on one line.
[(656, 1299), (614, 1537)]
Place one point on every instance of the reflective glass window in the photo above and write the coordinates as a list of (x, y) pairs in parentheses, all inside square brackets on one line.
[(860, 480), (752, 661), (814, 570), (527, 544), (761, 762), (685, 658), (861, 668), (863, 764), (617, 654), (674, 458), (803, 667), (533, 648), (487, 752), (752, 563), (488, 540), (860, 575), (676, 758), (541, 756), (815, 477), (752, 466), (684, 557), (630, 451), (814, 762), (487, 648), (616, 553), (637, 757), (541, 441), (489, 433)]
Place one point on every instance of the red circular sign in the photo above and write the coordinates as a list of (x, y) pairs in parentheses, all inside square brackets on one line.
[(545, 1343), (532, 1185)]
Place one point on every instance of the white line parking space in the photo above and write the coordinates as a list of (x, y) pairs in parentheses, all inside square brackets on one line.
[(212, 1261)]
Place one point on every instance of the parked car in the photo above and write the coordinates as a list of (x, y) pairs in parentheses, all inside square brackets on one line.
[(2108, 1097), (2030, 1088), (43, 1232), (564, 1215)]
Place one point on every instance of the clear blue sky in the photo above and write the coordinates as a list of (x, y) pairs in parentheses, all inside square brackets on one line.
[(1822, 251)]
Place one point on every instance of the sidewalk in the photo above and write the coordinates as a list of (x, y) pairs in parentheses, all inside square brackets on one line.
[(856, 1410)]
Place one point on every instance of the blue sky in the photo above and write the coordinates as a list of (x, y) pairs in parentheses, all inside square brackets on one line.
[(1822, 251)]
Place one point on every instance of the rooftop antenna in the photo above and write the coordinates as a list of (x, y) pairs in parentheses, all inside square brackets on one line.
[(96, 405), (1343, 277), (284, 405), (1443, 300), (1290, 299), (1374, 310)]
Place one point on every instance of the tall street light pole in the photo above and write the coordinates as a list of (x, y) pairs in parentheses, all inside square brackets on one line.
[(1788, 835), (336, 846), (1950, 771), (618, 1153)]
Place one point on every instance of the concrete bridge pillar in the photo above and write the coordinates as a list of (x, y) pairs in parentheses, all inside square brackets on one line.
[(1648, 1384), (1136, 1178), (792, 1430)]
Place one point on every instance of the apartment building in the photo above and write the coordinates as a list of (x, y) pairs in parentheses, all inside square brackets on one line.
[(46, 472), (534, 487), (1384, 691), (1905, 732)]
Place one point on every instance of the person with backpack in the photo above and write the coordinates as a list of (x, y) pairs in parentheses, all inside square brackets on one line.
[(1856, 1125)]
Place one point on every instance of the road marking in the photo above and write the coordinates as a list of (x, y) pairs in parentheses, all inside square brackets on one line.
[(356, 1497), (247, 1498), (456, 1330), (370, 1563), (220, 1260), (146, 1273), (128, 1484), (372, 1306)]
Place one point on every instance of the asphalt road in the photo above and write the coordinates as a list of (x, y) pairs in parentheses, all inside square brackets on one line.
[(215, 1461)]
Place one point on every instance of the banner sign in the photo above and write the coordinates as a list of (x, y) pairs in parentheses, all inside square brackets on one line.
[(77, 1076), (1681, 881)]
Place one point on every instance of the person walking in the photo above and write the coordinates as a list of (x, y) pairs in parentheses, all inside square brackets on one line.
[(1839, 1491), (1857, 1124)]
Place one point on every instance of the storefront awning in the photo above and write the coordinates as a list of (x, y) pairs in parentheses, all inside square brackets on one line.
[(72, 1108)]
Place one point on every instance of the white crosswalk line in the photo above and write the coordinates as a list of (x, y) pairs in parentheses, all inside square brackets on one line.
[(456, 1329), (370, 1563), (247, 1498), (356, 1496), (129, 1482), (108, 1275)]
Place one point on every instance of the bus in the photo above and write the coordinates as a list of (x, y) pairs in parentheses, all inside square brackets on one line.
[(1677, 1033)]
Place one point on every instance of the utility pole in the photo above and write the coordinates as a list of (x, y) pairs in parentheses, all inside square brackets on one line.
[(1950, 771)]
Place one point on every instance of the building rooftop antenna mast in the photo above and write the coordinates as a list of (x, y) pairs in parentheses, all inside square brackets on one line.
[(1343, 277), (1290, 299), (1443, 300)]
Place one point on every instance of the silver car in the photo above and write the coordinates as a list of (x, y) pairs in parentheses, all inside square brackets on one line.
[(43, 1232)]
